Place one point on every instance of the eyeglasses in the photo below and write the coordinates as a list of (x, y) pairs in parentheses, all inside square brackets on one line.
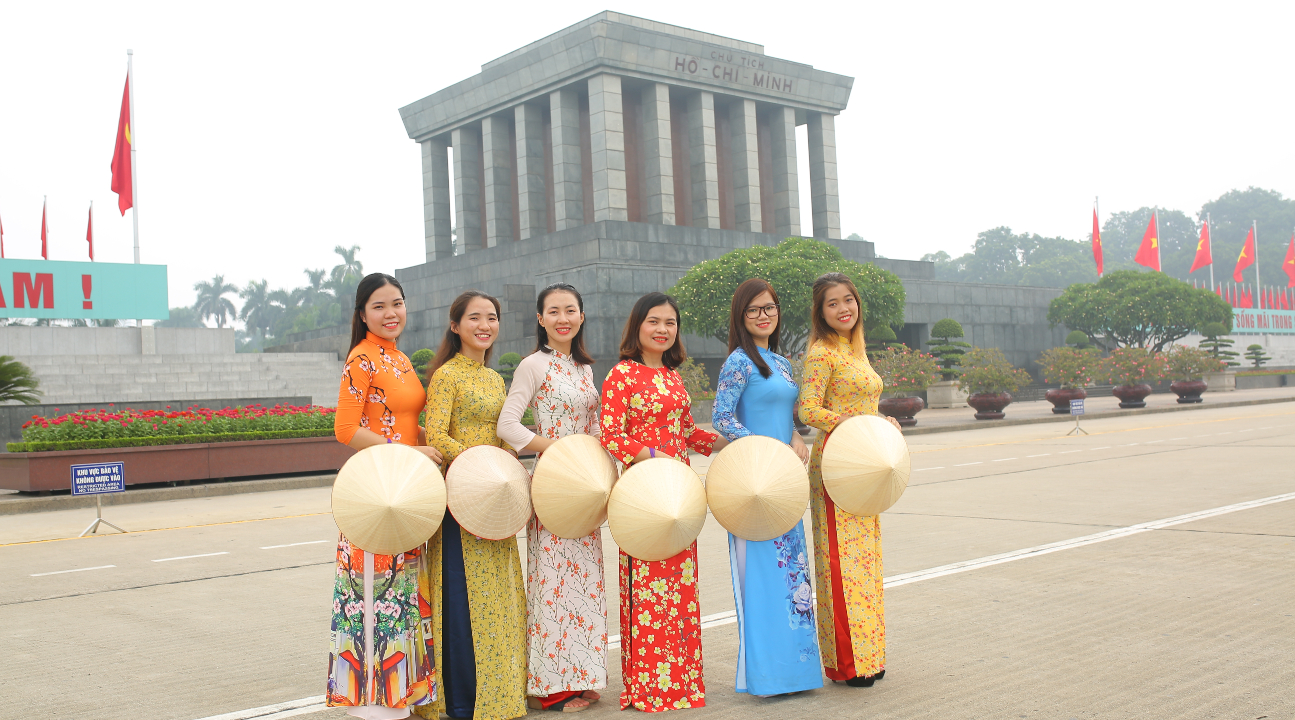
[(768, 310)]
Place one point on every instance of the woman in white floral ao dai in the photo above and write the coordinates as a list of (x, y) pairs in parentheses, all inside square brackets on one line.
[(566, 603)]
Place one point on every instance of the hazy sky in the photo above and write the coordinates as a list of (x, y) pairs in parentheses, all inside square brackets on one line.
[(268, 132)]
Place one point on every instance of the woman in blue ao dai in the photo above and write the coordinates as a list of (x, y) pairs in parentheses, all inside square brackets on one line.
[(756, 395)]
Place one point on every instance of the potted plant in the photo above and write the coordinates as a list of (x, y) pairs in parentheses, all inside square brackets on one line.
[(948, 352), (1072, 369), (904, 371), (1220, 347), (991, 380), (1187, 366), (880, 338), (1130, 370)]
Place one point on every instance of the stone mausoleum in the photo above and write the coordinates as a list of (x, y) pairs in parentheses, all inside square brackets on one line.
[(618, 153)]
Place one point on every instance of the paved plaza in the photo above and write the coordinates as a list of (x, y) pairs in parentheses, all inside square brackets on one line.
[(1146, 570)]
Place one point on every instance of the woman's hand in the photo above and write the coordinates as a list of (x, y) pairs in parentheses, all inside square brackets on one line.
[(720, 443), (801, 449), (894, 422), (432, 453)]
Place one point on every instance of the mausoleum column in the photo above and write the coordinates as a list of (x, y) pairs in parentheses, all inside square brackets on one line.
[(703, 160), (607, 148), (746, 166), (497, 155), (786, 187), (436, 199), (568, 195), (532, 203), (467, 187), (658, 156), (823, 192)]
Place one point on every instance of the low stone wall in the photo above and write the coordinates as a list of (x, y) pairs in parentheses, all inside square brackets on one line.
[(1258, 382)]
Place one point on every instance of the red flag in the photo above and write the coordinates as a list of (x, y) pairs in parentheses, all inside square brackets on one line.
[(1289, 263), (1247, 256), (89, 231), (1219, 291), (121, 160), (1204, 256), (1246, 300), (44, 233), (1097, 243), (1, 239), (1149, 253)]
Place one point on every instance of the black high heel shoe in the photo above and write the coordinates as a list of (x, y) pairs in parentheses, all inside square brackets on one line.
[(865, 680)]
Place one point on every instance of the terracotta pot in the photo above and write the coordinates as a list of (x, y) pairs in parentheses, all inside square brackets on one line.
[(1061, 397), (1188, 391), (989, 406), (902, 409), (1132, 396)]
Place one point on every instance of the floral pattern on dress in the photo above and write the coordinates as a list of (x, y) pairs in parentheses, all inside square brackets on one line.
[(566, 599), (463, 403), (385, 394), (800, 595), (847, 548), (660, 610), (734, 376)]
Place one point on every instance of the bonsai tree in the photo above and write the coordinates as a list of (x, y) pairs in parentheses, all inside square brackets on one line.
[(904, 370), (421, 360), (1133, 366), (1255, 354), (1189, 363), (1218, 345), (986, 370), (695, 380), (946, 349), (1069, 367), (17, 382), (508, 362), (880, 339), (1078, 339)]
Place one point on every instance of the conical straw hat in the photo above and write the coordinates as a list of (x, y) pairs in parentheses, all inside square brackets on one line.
[(489, 492), (757, 488), (572, 482), (865, 465), (656, 509), (388, 499)]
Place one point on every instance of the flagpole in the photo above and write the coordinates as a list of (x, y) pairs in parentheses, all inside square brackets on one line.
[(1097, 210), (1209, 227), (1254, 227), (134, 141), (1159, 240)]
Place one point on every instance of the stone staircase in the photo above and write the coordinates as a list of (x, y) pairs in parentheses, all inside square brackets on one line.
[(126, 378)]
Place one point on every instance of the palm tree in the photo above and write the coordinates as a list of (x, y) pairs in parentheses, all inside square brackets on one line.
[(284, 306), (211, 300), (317, 289), (17, 382), (351, 270), (256, 306)]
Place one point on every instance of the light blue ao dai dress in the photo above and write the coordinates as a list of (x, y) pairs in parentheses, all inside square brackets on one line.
[(777, 637)]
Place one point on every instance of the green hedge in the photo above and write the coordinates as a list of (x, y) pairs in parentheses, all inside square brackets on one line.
[(159, 440)]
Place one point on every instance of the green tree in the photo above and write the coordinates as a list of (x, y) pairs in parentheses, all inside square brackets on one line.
[(256, 310), (181, 317), (1127, 308), (705, 293), (880, 339), (1078, 339), (946, 347), (17, 382), (1002, 257), (508, 363), (1179, 233), (212, 302), (1255, 354), (421, 360), (1218, 344), (346, 276), (694, 378)]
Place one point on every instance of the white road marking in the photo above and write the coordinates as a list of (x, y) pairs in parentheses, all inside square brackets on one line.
[(60, 572), (187, 557), (1104, 447), (933, 468), (1152, 442), (1067, 452), (966, 464), (1043, 455), (1004, 459), (308, 542), (1128, 444), (316, 704), (1173, 439)]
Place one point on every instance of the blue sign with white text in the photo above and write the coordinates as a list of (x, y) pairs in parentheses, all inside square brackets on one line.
[(98, 478), (1077, 407)]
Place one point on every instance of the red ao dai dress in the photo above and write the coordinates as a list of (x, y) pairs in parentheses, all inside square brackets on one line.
[(847, 548), (566, 601), (660, 619)]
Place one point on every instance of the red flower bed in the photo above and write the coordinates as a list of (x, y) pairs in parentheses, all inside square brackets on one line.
[(159, 425)]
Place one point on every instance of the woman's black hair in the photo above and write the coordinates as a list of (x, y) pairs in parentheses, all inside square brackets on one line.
[(451, 343), (578, 351), (739, 336), (363, 292), (630, 347)]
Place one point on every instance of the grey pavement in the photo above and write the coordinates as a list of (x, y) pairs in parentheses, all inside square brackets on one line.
[(1191, 620)]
